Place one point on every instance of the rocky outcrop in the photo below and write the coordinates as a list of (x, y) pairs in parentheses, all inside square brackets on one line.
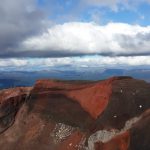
[(10, 102), (134, 136), (76, 115)]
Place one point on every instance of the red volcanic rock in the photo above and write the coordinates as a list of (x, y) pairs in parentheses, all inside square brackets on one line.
[(111, 114), (10, 102), (120, 142), (55, 85), (72, 143), (94, 99), (12, 96)]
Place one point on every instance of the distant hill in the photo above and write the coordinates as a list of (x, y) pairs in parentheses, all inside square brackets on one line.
[(24, 78)]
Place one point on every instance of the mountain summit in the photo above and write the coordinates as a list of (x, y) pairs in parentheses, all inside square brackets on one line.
[(112, 114)]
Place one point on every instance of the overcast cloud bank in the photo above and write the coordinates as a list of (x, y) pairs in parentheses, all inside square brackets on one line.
[(90, 38), (74, 62), (26, 32)]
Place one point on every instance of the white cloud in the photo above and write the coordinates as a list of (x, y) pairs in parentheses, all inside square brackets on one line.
[(75, 62), (13, 62), (21, 19), (90, 38)]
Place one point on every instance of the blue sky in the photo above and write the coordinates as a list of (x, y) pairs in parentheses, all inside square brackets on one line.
[(74, 33), (133, 12)]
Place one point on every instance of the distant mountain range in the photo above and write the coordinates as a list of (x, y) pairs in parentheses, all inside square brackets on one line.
[(27, 78)]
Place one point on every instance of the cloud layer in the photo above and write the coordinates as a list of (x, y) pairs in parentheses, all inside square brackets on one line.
[(76, 38), (18, 19), (24, 32), (74, 62)]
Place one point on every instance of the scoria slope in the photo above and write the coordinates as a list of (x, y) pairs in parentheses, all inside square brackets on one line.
[(112, 114)]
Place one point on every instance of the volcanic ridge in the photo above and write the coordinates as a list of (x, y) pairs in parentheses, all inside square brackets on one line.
[(112, 114)]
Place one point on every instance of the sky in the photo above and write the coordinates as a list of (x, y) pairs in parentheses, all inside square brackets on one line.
[(41, 34)]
